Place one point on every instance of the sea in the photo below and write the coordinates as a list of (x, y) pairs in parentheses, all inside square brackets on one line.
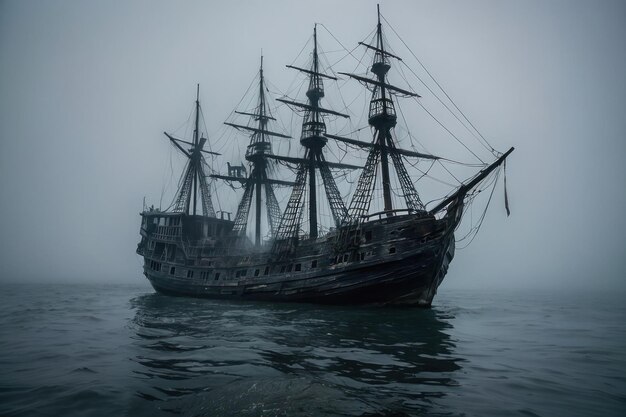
[(123, 350)]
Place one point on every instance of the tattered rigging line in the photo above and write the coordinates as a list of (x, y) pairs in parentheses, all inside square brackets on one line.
[(213, 184), (277, 105), (357, 130), (346, 49), (346, 107), (411, 136), (438, 160), (224, 131), (414, 165), (181, 180), (208, 142), (186, 123), (448, 130), (399, 107), (489, 148), (448, 171), (296, 77), (302, 50), (330, 67), (438, 85), (482, 217), (424, 173), (170, 180)]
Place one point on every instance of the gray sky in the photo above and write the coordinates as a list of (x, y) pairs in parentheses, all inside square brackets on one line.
[(87, 87)]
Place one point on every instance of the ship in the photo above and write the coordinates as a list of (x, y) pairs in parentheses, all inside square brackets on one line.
[(396, 256)]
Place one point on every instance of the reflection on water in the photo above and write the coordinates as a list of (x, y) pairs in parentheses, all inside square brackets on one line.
[(205, 357), (112, 351)]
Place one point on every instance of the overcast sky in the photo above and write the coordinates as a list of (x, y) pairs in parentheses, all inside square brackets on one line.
[(88, 87)]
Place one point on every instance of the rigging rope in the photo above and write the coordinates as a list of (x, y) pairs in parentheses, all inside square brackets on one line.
[(345, 49), (474, 230), (448, 130), (493, 151), (444, 104)]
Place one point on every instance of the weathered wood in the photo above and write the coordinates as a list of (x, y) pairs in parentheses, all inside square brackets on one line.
[(296, 161), (254, 129), (463, 189), (245, 180), (373, 145), (381, 84)]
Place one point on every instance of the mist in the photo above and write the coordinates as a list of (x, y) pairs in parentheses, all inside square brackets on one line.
[(87, 88)]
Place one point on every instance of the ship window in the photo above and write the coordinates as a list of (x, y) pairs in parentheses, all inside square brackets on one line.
[(392, 250), (298, 267), (217, 276), (362, 255), (314, 263), (346, 257), (172, 270), (282, 269), (289, 267), (368, 236), (267, 270), (189, 273), (256, 272)]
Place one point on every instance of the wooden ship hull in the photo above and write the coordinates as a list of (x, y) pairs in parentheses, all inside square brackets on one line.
[(398, 260)]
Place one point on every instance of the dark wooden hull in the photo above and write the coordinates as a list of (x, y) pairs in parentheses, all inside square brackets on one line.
[(404, 267), (412, 281)]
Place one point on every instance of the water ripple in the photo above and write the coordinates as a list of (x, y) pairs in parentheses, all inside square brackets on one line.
[(91, 351)]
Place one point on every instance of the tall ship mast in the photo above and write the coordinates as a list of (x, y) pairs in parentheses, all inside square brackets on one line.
[(395, 256), (382, 118), (313, 140), (194, 177), (258, 154)]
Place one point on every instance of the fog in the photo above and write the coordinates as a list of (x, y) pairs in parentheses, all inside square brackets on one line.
[(88, 87)]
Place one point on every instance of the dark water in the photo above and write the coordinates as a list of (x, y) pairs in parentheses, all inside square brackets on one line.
[(125, 351)]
